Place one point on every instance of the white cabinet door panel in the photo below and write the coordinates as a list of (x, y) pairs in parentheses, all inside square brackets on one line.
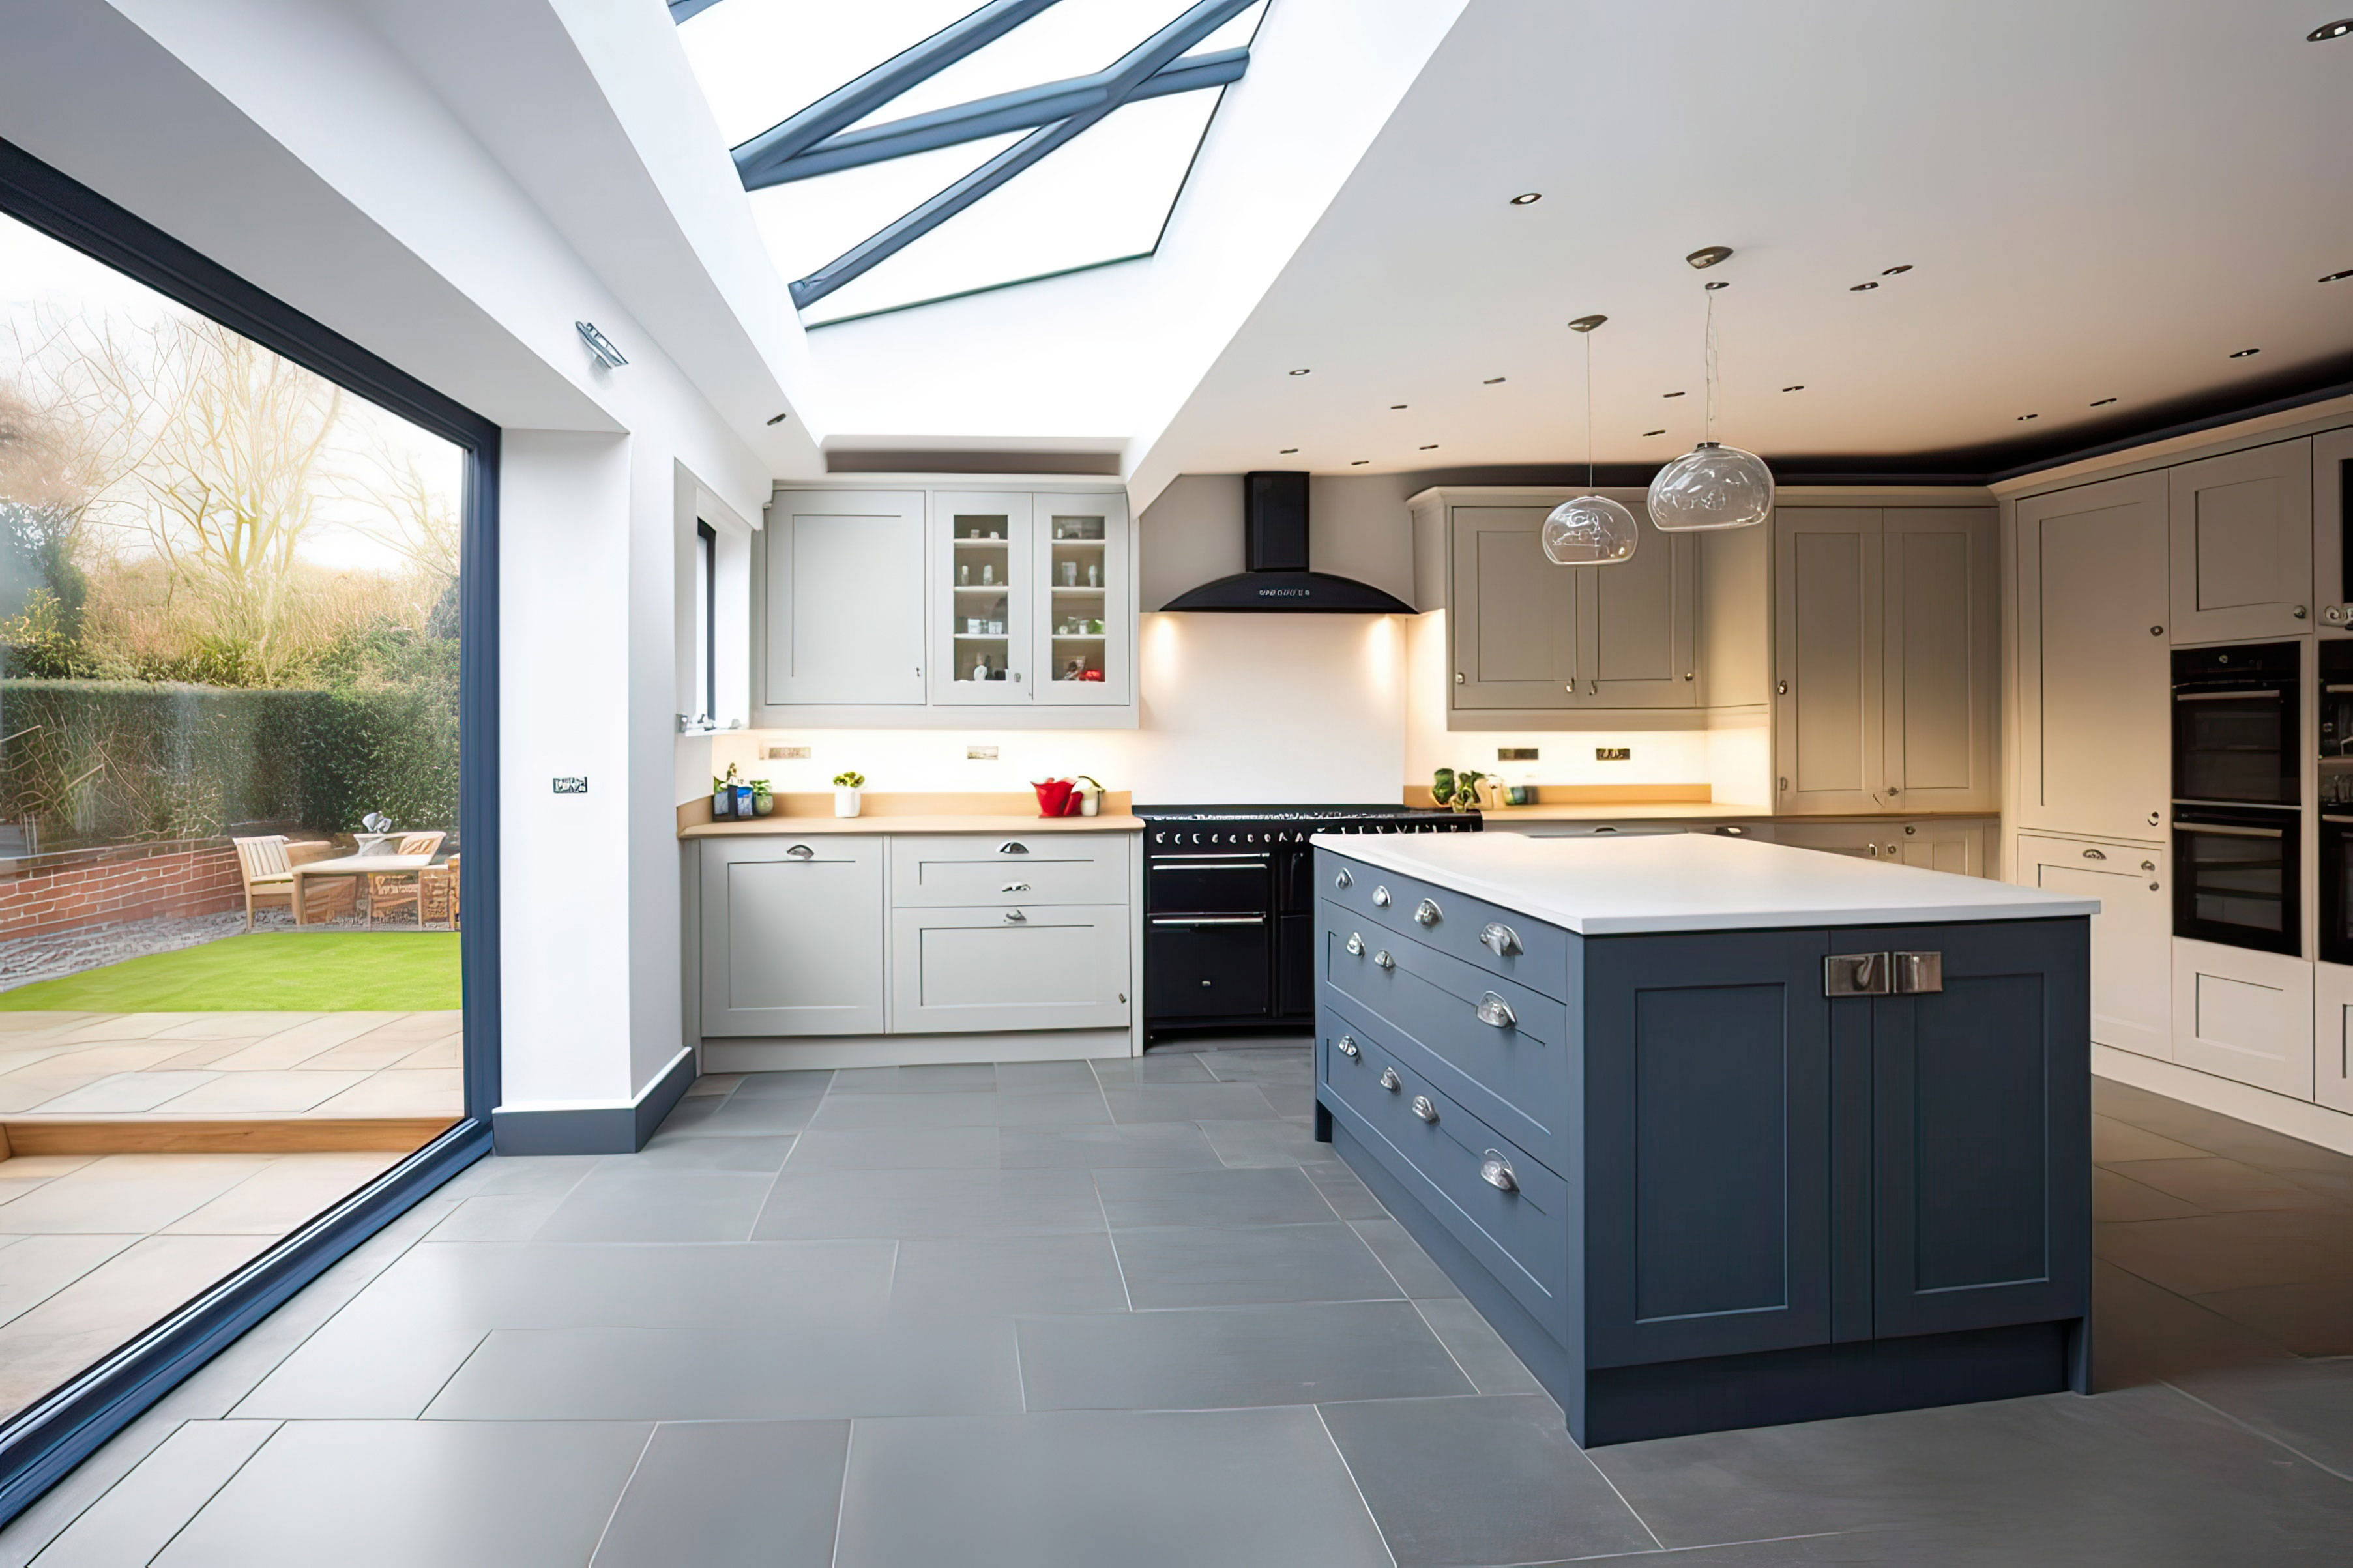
[(2132, 936), (1644, 613), (2094, 692), (2241, 528), (1827, 607), (948, 871), (792, 935), (1518, 640), (845, 598), (1034, 967), (2332, 1056), (1938, 666), (2243, 1015)]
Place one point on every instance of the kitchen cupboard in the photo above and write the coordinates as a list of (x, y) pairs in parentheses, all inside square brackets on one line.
[(792, 935), (2093, 688), (2241, 544), (2243, 1015), (1530, 641), (2332, 1035), (2332, 491), (1038, 966), (1014, 606), (1885, 669), (2132, 936), (1962, 847)]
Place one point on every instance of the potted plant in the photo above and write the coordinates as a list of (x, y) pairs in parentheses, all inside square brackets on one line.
[(764, 797), (846, 786)]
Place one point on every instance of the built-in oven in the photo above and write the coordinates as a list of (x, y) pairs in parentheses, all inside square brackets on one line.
[(2234, 725), (2335, 931), (2237, 877)]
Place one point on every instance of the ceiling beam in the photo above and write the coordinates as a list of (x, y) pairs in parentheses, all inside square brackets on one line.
[(1020, 110), (1131, 72)]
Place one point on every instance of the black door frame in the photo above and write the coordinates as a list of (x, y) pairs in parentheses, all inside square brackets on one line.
[(40, 1443)]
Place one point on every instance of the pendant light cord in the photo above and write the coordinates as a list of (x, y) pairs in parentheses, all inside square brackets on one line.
[(1588, 409), (1708, 360)]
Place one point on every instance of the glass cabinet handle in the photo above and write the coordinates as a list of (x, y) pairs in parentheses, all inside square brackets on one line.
[(1501, 938), (1355, 944), (1423, 1108), (1381, 895), (1426, 913), (1391, 1081), (1382, 959), (1344, 879), (1347, 1046), (1497, 1171), (1494, 1012)]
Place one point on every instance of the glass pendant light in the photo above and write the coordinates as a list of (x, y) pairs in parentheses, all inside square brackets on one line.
[(1713, 485), (1590, 530)]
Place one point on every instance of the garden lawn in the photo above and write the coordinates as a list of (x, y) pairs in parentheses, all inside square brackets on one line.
[(266, 971)]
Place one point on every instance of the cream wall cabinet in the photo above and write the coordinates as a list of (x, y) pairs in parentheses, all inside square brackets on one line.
[(2332, 482), (844, 596), (2332, 1035), (2094, 689), (792, 935), (2241, 544), (2243, 1015), (2132, 936), (1885, 671)]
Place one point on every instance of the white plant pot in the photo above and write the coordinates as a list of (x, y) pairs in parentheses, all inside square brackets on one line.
[(845, 803)]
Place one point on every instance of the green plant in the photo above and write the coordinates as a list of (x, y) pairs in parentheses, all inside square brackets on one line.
[(762, 790), (1466, 789), (1441, 786), (849, 778)]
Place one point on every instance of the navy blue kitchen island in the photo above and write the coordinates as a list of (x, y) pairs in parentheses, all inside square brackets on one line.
[(1719, 1133)]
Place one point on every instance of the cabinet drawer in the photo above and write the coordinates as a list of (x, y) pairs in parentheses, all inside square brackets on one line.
[(1522, 1235), (1049, 967), (1044, 868), (1433, 1008), (792, 935), (1533, 954)]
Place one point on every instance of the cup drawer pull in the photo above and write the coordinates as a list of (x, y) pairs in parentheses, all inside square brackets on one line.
[(1381, 895), (1389, 1080), (1495, 1013), (1355, 944), (1497, 1171), (1347, 1046), (1502, 939), (1014, 887), (1423, 1108), (1383, 961), (1425, 912), (1342, 880)]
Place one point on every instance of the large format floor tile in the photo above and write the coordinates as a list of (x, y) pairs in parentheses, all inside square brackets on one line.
[(1225, 1356), (731, 1494), (911, 1204), (1223, 1266)]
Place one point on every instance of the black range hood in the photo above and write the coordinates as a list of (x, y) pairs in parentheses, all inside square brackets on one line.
[(1275, 553)]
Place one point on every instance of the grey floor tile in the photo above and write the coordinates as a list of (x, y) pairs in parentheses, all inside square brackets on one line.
[(495, 1218), (1231, 1356), (909, 1204), (903, 1148), (141, 1513), (2310, 1319), (2222, 1186), (1156, 1066), (1267, 1141), (1235, 1489), (1402, 1256), (1186, 1102), (862, 1112), (783, 1085), (2198, 1254), (663, 1206), (361, 1368), (1282, 1065), (2143, 1334), (543, 1176), (937, 1367), (2142, 1476), (731, 1494), (2115, 1140), (1477, 1349), (1221, 1196), (674, 1152), (1172, 1146), (2115, 1197), (739, 1116), (1224, 1266), (1004, 1275), (1038, 1108), (1045, 1077), (953, 1078), (1477, 1480), (361, 1494), (1345, 1192), (2305, 1405)]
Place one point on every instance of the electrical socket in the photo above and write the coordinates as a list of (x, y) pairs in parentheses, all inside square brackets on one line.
[(573, 785), (784, 753), (980, 753), (1515, 754), (1613, 754)]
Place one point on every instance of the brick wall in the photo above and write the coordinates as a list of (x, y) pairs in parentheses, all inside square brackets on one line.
[(77, 887)]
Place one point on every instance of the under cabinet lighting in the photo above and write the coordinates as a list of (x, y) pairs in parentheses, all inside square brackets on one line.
[(2245, 353), (600, 345), (2328, 30)]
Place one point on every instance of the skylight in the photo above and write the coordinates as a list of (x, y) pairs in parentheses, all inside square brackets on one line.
[(898, 151)]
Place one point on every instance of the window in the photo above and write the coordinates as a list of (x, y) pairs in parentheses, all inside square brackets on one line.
[(706, 618)]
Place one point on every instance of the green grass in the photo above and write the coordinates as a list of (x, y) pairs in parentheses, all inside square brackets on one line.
[(291, 971)]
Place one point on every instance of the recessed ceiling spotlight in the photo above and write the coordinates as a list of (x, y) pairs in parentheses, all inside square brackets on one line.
[(1492, 381), (1359, 462), (1647, 434), (1299, 373), (2328, 30), (1800, 387), (1899, 268), (1719, 283), (778, 419), (1395, 406), (2338, 276), (1432, 447), (2024, 417), (2103, 402), (1709, 256), (1286, 451), (1671, 395), (2245, 353), (1861, 288), (1527, 198)]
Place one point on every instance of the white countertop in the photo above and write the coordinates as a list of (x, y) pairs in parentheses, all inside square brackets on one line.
[(1692, 881)]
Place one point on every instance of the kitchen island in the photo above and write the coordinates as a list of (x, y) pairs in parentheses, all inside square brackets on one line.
[(1718, 1133)]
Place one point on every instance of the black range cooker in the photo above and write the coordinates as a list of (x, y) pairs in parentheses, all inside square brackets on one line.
[(1229, 906)]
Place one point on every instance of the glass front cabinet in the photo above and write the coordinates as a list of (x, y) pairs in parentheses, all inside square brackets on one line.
[(1030, 599)]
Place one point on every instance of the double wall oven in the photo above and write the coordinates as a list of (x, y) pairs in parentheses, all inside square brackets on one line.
[(2237, 767), (1229, 908)]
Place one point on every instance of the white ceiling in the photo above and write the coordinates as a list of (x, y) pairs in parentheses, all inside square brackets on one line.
[(2099, 198)]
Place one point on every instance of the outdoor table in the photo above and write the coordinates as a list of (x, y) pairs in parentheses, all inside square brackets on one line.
[(355, 866)]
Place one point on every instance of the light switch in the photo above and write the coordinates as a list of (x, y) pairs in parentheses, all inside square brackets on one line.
[(577, 784)]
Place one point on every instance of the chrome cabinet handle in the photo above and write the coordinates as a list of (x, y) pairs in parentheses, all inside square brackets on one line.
[(1014, 887), (1391, 1081), (1381, 895), (1382, 959), (2093, 855), (1426, 913), (2148, 865), (1343, 880), (1497, 1171), (1014, 848), (1501, 938), (1494, 1012), (1347, 1046), (1015, 917), (1423, 1108), (1355, 944), (801, 852)]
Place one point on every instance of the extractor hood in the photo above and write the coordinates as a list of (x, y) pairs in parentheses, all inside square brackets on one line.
[(1274, 551)]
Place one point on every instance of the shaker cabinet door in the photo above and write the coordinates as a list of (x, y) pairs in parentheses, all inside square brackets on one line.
[(984, 600), (2241, 528), (1708, 1147), (2132, 936), (1515, 618), (1826, 610), (1982, 1111), (1081, 575), (1938, 672), (845, 598), (1645, 644), (1033, 967), (792, 936)]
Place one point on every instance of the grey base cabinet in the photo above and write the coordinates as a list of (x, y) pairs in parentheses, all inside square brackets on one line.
[(1693, 1191)]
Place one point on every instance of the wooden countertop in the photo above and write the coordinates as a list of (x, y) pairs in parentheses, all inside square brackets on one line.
[(812, 826)]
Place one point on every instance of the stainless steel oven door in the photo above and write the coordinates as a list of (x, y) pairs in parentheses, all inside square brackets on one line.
[(2237, 879)]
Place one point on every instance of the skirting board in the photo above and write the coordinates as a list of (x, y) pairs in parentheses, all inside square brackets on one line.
[(818, 1052), (620, 1128), (281, 1135), (2296, 1118)]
